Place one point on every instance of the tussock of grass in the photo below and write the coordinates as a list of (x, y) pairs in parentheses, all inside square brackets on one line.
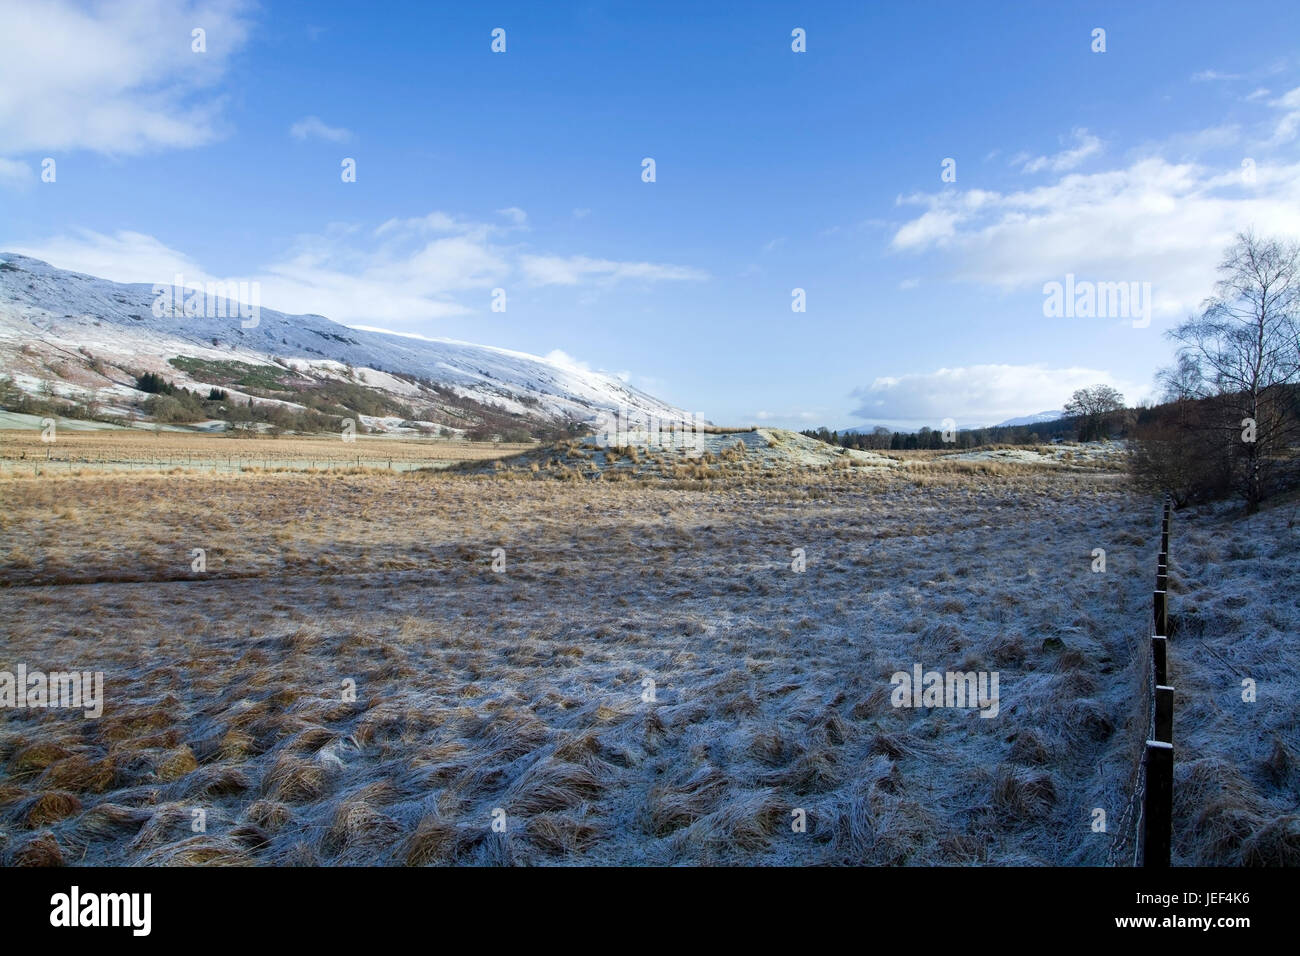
[(1275, 843), (294, 780), (40, 850), (269, 815), (562, 834), (552, 785), (49, 807), (81, 773), (1023, 794), (204, 850), (108, 820)]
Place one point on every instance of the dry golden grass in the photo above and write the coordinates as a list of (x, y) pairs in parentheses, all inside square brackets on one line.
[(228, 690), (24, 454)]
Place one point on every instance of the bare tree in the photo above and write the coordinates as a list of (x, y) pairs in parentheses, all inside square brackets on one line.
[(1241, 356), (1093, 408)]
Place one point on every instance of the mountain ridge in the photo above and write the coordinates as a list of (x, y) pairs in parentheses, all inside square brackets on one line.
[(69, 329)]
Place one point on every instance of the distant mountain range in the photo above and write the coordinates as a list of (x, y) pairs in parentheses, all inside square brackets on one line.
[(1051, 415), (1048, 416), (73, 336)]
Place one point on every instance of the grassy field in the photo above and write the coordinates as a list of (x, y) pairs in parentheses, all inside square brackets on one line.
[(22, 452), (612, 672)]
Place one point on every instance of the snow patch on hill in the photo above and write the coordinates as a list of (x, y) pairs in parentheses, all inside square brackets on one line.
[(50, 318)]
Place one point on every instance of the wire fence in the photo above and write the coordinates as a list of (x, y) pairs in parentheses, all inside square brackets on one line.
[(1145, 833)]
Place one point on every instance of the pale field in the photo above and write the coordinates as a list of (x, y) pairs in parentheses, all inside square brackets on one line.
[(522, 691), (23, 453)]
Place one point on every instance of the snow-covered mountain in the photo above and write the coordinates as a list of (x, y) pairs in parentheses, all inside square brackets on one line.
[(77, 336), (1051, 415)]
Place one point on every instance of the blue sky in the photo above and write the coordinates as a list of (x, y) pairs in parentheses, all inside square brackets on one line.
[(775, 170)]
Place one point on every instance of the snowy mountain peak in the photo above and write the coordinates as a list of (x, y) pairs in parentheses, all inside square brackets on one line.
[(77, 329), (1050, 415)]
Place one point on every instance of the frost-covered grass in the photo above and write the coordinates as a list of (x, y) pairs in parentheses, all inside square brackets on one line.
[(1235, 605), (522, 691), (758, 453)]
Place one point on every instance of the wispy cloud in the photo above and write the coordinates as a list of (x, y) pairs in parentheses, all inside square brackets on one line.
[(976, 394), (1288, 124), (97, 77), (572, 270), (398, 274), (312, 127), (517, 216), (1211, 76), (15, 174), (123, 256), (1085, 145)]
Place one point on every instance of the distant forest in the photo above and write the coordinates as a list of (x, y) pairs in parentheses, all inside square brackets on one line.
[(881, 438), (1120, 424)]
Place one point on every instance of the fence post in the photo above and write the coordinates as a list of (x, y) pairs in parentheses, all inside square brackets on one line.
[(1158, 804), (1162, 613), (1164, 714), (1160, 658)]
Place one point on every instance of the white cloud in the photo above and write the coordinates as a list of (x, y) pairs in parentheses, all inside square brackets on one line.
[(312, 127), (572, 270), (1153, 221), (432, 223), (113, 77), (1087, 145), (404, 272), (15, 174), (123, 257), (516, 215), (400, 274), (565, 360), (1288, 125), (1192, 145), (1208, 76), (977, 394)]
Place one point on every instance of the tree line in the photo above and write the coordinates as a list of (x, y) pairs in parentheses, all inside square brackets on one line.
[(1230, 421)]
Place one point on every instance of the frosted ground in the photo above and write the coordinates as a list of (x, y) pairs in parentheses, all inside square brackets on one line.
[(523, 691), (774, 451)]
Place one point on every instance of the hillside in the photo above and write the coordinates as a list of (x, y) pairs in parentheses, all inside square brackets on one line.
[(64, 335)]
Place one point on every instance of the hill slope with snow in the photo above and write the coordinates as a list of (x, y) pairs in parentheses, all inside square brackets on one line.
[(1051, 415), (76, 336)]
